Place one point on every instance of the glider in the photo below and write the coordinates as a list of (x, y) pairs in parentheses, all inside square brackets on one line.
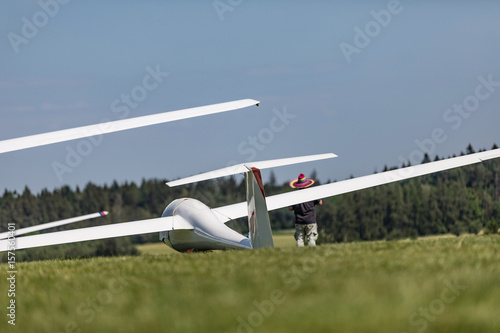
[(189, 225)]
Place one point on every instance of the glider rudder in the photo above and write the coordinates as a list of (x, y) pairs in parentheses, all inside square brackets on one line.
[(259, 226)]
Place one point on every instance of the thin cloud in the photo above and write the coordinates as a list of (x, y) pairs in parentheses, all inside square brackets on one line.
[(280, 70), (38, 82), (55, 107), (46, 106)]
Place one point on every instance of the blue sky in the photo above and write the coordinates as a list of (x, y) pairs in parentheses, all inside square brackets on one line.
[(376, 82)]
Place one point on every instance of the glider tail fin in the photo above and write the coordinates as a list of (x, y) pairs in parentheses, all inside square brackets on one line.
[(259, 225)]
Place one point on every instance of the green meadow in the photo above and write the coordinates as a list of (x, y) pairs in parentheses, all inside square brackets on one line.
[(435, 284)]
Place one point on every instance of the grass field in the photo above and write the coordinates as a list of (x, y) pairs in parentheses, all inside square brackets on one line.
[(447, 284), (282, 238)]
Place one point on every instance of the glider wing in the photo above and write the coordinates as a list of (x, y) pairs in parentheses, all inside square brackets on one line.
[(93, 233), (119, 125), (238, 210), (49, 225)]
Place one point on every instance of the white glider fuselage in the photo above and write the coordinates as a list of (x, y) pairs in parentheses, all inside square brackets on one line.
[(195, 227)]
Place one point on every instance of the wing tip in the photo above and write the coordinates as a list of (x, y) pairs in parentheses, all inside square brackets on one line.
[(250, 101)]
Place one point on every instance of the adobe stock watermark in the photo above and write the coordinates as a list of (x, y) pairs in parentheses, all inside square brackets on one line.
[(454, 118), (363, 37), (223, 6), (95, 304), (263, 309), (30, 27), (120, 107), (254, 144), (420, 318), (11, 273)]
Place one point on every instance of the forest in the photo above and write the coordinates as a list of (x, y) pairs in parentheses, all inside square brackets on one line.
[(461, 200)]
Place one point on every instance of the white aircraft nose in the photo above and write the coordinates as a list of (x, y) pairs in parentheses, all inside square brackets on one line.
[(195, 227)]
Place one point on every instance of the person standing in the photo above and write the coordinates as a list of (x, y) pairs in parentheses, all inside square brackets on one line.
[(305, 214)]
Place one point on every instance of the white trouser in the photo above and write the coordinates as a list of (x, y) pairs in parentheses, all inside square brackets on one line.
[(309, 231)]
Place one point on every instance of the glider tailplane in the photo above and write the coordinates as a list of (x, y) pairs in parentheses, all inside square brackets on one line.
[(259, 226)]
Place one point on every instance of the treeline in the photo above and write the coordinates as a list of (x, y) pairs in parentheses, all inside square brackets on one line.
[(461, 200), (457, 201)]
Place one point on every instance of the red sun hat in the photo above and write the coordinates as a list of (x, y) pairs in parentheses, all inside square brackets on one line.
[(301, 182)]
